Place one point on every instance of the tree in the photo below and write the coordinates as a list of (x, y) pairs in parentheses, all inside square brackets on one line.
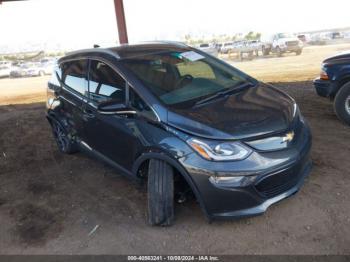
[(252, 36)]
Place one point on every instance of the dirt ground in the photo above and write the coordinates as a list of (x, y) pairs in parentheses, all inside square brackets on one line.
[(51, 203)]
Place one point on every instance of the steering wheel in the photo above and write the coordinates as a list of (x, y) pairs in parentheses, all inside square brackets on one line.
[(182, 80)]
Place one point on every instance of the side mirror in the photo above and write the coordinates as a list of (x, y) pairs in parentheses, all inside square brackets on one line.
[(111, 108)]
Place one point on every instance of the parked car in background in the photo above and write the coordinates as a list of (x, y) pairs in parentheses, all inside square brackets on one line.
[(334, 83), (336, 35), (48, 60), (226, 47), (5, 70), (181, 120), (347, 34), (19, 70), (245, 49), (218, 47), (305, 38), (41, 69), (318, 39), (32, 69), (5, 63), (256, 46), (208, 48), (281, 43)]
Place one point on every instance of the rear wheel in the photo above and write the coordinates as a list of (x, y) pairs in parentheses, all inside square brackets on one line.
[(160, 193), (64, 143), (41, 73), (342, 103), (251, 55), (265, 51), (241, 56)]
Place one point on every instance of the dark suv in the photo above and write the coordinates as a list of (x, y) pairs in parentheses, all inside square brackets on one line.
[(181, 120), (334, 83)]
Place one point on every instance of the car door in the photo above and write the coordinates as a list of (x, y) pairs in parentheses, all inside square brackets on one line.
[(109, 134), (74, 86)]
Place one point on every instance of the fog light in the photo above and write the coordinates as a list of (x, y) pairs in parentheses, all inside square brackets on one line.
[(232, 181)]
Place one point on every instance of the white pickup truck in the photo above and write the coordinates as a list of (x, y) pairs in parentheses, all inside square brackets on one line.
[(281, 43), (208, 48)]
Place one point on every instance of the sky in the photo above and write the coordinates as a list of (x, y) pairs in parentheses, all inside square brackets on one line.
[(82, 23)]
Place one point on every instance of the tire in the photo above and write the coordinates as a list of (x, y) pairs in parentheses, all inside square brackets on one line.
[(160, 190), (342, 103), (278, 51), (64, 143), (241, 56), (251, 55), (298, 52), (265, 51), (41, 73)]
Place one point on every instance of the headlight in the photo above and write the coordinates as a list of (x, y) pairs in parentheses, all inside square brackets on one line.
[(227, 151)]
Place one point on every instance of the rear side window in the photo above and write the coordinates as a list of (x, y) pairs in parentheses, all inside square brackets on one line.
[(75, 75), (105, 84)]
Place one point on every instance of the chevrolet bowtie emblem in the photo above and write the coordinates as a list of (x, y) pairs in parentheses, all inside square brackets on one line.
[(288, 137)]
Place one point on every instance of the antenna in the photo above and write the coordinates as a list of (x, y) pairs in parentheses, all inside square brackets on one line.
[(96, 46)]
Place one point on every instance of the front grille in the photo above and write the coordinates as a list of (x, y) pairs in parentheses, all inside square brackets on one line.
[(278, 183), (292, 43)]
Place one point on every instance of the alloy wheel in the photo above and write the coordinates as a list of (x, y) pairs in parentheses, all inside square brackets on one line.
[(61, 137), (347, 104)]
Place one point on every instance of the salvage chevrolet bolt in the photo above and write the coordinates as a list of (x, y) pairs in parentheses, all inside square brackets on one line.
[(183, 122)]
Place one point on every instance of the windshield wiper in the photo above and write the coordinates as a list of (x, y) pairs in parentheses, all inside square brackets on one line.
[(222, 94)]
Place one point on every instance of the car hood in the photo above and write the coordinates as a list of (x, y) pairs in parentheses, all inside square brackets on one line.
[(339, 58), (252, 112)]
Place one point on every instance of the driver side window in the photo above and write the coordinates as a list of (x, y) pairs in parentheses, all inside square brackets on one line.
[(105, 85)]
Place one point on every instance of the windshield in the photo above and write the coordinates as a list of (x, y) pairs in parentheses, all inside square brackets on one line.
[(183, 78)]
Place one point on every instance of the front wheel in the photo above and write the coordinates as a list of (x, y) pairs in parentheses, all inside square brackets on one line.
[(342, 103), (298, 52), (160, 187), (265, 51), (278, 51)]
